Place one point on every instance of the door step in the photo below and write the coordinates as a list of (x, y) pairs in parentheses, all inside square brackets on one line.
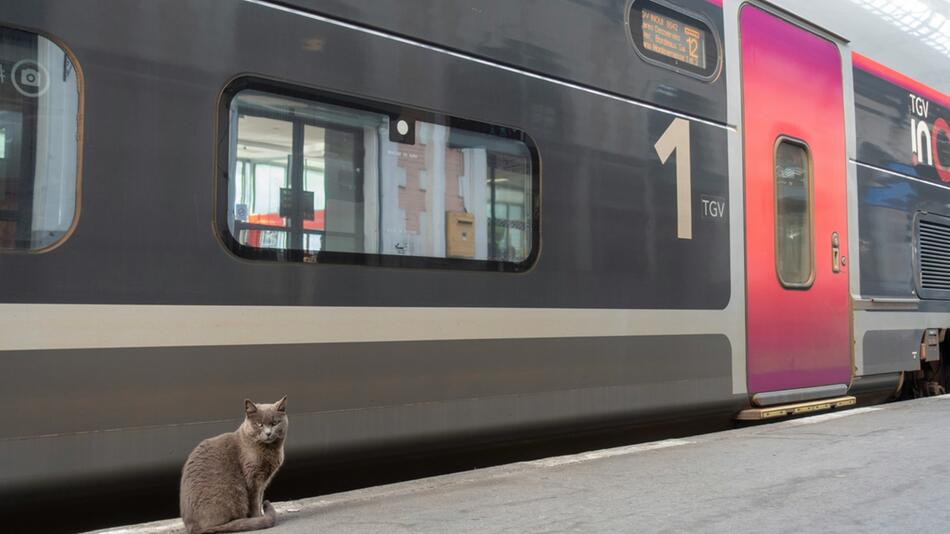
[(786, 410)]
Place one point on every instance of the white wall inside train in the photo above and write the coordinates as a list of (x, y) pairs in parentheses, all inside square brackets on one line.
[(54, 187)]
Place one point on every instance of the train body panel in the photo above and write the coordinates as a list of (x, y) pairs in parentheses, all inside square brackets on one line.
[(900, 206), (349, 396), (903, 136), (530, 35), (125, 128), (607, 288)]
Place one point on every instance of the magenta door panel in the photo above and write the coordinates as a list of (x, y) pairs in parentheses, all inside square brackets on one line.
[(798, 336)]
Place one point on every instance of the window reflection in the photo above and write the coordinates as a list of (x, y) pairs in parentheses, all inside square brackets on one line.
[(39, 129), (315, 177)]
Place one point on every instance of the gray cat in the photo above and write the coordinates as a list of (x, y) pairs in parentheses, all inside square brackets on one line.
[(223, 481)]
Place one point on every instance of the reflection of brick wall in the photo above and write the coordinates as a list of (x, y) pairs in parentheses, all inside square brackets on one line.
[(412, 196)]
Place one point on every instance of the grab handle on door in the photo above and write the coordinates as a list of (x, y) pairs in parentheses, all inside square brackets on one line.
[(835, 253)]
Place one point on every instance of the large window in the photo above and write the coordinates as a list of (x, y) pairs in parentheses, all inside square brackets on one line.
[(39, 141), (315, 178), (793, 240)]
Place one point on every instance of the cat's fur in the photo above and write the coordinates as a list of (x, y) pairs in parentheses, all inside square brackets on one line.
[(223, 481)]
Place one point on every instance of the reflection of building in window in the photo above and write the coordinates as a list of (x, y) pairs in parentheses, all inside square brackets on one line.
[(412, 194), (510, 222), (453, 193), (262, 171), (442, 174)]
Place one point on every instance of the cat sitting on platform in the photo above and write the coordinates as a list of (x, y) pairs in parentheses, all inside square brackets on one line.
[(223, 481)]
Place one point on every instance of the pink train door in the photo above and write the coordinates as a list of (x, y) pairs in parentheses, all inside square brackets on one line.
[(798, 316)]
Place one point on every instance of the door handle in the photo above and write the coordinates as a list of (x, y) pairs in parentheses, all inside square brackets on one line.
[(835, 253)]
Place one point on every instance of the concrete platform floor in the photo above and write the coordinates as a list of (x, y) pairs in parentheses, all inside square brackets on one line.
[(876, 469)]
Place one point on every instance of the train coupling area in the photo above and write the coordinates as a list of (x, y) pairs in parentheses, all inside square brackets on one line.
[(853, 470)]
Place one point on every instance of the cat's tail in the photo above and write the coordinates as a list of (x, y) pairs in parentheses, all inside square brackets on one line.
[(267, 520)]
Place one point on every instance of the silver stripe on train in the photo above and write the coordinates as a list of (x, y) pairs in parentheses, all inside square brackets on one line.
[(75, 326), (899, 175)]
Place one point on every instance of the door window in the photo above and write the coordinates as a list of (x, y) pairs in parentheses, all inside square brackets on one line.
[(793, 245)]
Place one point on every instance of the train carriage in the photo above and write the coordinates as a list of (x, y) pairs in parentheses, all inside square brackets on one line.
[(449, 222)]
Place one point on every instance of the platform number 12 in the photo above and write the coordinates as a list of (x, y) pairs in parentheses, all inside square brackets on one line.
[(676, 139)]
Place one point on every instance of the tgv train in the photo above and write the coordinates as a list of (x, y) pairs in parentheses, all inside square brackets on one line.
[(446, 221)]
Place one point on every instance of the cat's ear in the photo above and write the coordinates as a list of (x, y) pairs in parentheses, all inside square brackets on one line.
[(249, 407), (282, 404)]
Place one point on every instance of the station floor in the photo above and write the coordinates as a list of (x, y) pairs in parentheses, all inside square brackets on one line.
[(873, 469)]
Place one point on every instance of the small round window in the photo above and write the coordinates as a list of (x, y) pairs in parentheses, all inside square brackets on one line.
[(39, 132)]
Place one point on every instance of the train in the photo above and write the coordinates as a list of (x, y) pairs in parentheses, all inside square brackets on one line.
[(457, 221)]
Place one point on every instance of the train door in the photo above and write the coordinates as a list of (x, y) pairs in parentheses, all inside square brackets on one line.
[(798, 313)]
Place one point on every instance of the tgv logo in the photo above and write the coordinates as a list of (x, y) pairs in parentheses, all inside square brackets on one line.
[(923, 138)]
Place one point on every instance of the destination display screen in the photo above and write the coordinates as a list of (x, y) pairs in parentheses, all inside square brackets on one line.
[(666, 36), (674, 39)]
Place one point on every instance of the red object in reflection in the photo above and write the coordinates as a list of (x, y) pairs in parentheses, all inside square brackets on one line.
[(275, 220)]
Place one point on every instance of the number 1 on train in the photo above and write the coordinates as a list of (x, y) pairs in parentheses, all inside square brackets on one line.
[(676, 138)]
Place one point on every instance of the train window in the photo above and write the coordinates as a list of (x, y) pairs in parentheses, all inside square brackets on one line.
[(670, 38), (793, 239), (315, 178), (40, 112)]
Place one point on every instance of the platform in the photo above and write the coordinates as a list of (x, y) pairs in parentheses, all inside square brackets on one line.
[(873, 469)]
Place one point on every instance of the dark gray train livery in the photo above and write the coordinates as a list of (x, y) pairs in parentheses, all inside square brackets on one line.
[(449, 222)]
